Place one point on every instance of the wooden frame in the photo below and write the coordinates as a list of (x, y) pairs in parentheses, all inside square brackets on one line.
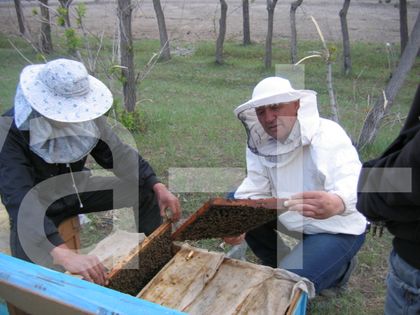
[(223, 217)]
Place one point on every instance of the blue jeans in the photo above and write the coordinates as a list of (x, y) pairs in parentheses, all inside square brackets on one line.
[(322, 258), (403, 288)]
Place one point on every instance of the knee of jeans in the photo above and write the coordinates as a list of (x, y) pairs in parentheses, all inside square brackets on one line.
[(230, 195), (317, 282)]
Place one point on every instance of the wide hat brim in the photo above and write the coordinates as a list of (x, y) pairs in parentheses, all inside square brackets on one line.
[(93, 104), (276, 98)]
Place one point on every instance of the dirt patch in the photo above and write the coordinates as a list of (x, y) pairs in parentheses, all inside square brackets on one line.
[(194, 20), (4, 231)]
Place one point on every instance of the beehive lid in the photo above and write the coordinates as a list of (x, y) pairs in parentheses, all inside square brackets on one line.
[(199, 282)]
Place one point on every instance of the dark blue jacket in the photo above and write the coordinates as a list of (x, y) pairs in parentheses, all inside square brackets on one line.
[(21, 170), (399, 210)]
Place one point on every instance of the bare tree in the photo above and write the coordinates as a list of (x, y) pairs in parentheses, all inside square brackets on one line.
[(385, 101), (222, 32), (46, 42), (346, 37), (403, 24), (126, 50), (326, 54), (293, 37), (331, 93), (271, 5), (20, 17), (65, 5), (246, 28), (163, 35)]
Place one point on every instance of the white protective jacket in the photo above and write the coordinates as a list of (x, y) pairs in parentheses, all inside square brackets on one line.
[(325, 160)]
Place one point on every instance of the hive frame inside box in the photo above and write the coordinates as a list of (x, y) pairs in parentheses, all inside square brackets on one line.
[(228, 217), (132, 274), (139, 269), (143, 263)]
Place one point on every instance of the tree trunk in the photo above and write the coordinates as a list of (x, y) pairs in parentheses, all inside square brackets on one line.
[(403, 24), (20, 17), (385, 101), (126, 50), (293, 36), (222, 32), (271, 5), (346, 38), (331, 94), (65, 4), (245, 14), (46, 42), (163, 35)]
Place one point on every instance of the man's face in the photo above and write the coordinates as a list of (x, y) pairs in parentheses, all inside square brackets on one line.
[(278, 119)]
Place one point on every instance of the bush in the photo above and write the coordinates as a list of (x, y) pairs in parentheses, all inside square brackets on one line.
[(135, 121)]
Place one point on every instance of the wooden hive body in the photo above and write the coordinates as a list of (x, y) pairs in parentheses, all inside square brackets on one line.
[(200, 282), (217, 218)]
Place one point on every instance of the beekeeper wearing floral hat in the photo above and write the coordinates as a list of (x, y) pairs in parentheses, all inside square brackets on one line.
[(57, 121)]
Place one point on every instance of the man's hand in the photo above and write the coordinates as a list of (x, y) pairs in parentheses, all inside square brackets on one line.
[(167, 200), (234, 240), (88, 266), (316, 204)]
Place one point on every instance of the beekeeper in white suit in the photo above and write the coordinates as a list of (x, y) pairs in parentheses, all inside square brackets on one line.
[(293, 153)]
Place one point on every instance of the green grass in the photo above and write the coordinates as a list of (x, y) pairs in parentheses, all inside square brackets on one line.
[(186, 119)]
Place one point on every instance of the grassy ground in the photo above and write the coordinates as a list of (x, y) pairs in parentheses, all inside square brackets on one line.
[(185, 120)]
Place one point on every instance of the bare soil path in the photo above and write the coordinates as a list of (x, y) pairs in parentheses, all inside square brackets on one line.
[(193, 20)]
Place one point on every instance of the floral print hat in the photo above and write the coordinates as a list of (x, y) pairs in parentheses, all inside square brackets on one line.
[(62, 90)]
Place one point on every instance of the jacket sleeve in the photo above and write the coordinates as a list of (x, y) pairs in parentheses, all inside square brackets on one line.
[(16, 181), (256, 185), (338, 164), (389, 185), (124, 161)]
